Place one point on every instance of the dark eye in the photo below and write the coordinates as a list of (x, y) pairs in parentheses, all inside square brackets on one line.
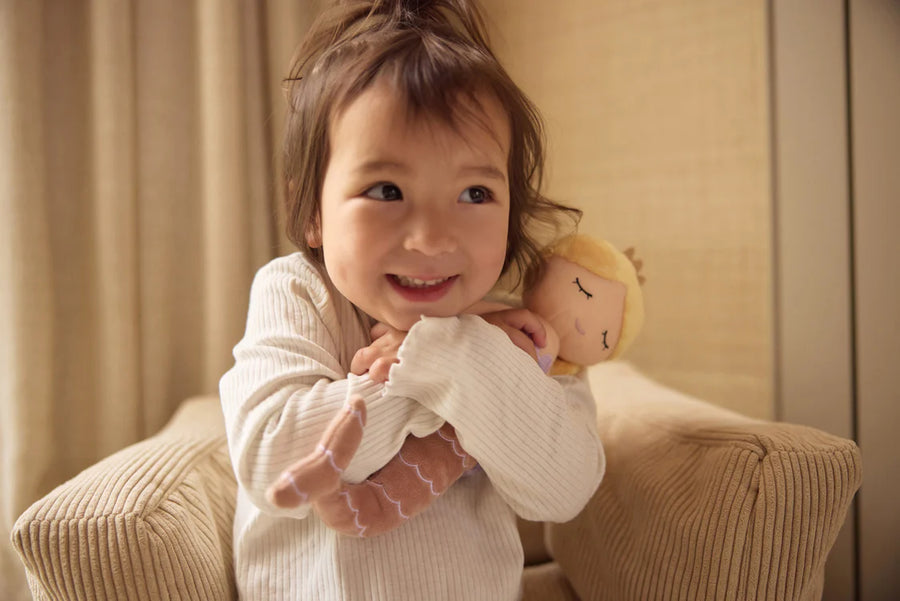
[(577, 282), (384, 192), (475, 195)]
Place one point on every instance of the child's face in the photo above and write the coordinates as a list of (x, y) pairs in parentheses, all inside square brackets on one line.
[(414, 215)]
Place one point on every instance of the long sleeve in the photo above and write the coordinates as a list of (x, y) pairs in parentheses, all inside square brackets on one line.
[(290, 378), (533, 435)]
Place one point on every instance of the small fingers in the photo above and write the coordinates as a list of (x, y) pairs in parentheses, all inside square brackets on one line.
[(381, 368), (521, 340), (529, 323), (536, 331), (377, 358), (362, 360)]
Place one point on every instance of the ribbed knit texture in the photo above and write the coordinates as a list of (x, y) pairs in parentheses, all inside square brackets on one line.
[(533, 436), (702, 503)]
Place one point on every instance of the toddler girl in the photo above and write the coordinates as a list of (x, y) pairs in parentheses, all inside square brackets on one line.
[(412, 165)]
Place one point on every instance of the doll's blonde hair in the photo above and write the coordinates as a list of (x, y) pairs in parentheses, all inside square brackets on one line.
[(603, 259)]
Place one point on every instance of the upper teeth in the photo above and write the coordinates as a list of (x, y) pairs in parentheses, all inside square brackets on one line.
[(417, 283)]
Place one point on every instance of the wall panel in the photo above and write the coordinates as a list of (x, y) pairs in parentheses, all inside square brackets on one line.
[(658, 121), (814, 337), (875, 87)]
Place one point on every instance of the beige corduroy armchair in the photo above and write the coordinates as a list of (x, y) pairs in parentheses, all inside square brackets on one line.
[(697, 503)]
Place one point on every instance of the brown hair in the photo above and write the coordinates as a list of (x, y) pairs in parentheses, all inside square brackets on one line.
[(436, 53)]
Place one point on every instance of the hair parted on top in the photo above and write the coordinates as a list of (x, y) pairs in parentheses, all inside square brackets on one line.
[(436, 53)]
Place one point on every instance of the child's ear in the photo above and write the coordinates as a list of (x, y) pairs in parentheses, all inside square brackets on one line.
[(314, 232)]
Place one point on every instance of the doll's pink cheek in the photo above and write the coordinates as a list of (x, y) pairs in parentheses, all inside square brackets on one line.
[(578, 327)]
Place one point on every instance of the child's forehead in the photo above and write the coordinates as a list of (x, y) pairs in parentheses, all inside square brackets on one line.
[(387, 107)]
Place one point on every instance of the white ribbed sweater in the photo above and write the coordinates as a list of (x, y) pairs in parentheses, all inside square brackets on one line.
[(533, 435)]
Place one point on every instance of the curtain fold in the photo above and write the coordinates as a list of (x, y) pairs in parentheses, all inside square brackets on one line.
[(26, 296), (139, 146), (116, 249)]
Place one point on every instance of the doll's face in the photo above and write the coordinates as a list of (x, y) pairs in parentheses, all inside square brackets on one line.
[(585, 309)]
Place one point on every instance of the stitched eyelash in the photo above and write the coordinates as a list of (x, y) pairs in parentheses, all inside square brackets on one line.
[(581, 289)]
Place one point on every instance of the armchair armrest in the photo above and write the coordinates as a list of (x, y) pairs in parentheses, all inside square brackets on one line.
[(699, 502), (152, 521)]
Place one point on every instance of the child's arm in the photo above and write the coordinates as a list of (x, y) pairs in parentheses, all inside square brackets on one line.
[(534, 435), (423, 468), (290, 379)]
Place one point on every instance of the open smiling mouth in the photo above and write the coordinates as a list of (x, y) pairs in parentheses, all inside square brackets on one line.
[(421, 290)]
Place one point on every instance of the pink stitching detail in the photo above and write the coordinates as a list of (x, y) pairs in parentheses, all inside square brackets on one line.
[(359, 527), (419, 474), (328, 453), (304, 496), (388, 497), (462, 456)]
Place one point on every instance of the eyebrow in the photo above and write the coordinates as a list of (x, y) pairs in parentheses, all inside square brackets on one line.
[(488, 171), (373, 166)]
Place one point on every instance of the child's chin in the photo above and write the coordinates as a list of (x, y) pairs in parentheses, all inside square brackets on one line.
[(400, 322), (404, 323)]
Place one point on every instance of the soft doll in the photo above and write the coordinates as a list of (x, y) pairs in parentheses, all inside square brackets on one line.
[(588, 295)]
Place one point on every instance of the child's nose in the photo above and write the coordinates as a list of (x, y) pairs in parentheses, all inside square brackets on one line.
[(430, 233)]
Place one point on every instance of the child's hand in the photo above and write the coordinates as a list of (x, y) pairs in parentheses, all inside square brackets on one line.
[(378, 357), (524, 328)]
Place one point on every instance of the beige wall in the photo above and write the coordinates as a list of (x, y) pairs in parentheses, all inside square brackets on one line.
[(659, 129)]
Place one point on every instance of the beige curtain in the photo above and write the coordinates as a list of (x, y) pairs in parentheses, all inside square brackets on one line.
[(138, 153)]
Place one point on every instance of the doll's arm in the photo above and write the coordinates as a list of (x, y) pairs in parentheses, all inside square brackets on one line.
[(422, 470)]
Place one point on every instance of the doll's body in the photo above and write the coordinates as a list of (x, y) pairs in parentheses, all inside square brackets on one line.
[(589, 300)]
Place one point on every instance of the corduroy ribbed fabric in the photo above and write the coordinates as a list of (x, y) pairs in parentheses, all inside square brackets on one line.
[(546, 582), (534, 437), (702, 503), (152, 521), (610, 551)]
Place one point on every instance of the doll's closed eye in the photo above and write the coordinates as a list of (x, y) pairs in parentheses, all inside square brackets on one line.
[(577, 282)]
